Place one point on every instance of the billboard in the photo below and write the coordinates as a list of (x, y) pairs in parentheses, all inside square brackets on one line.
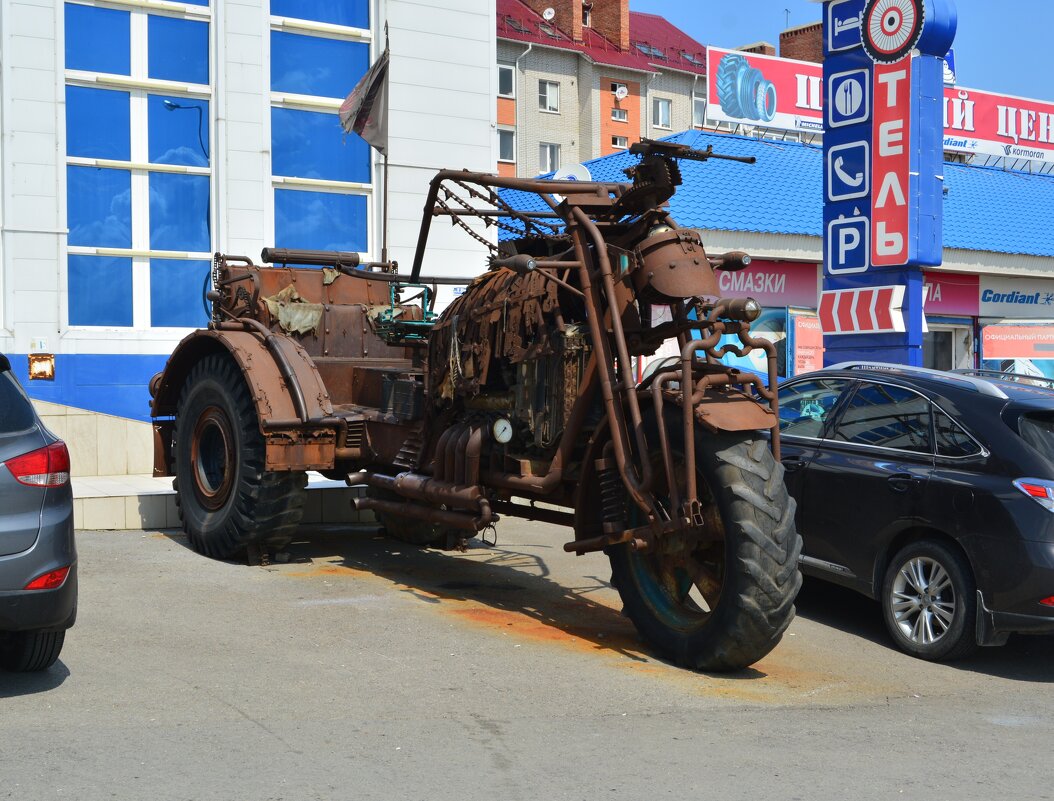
[(763, 90), (785, 94)]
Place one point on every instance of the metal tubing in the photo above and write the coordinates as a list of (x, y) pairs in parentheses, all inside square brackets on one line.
[(458, 520), (439, 471), (472, 454), (664, 441), (637, 485), (460, 452)]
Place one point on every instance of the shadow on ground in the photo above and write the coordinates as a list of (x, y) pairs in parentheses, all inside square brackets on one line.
[(15, 684), (1023, 658)]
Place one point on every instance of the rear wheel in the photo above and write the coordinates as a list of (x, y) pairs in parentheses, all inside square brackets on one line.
[(30, 651), (227, 500), (720, 596), (929, 602)]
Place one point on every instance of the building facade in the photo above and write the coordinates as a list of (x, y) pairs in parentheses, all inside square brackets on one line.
[(140, 137)]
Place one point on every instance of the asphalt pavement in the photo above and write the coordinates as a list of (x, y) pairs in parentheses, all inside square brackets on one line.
[(366, 669)]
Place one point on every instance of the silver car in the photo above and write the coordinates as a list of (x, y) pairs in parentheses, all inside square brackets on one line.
[(38, 560)]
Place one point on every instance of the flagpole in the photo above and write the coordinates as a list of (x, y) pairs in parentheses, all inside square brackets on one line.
[(384, 212)]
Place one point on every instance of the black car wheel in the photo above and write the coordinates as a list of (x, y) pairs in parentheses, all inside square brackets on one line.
[(929, 602), (30, 651)]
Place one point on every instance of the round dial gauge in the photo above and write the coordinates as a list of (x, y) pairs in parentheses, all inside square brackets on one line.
[(502, 430), (892, 28)]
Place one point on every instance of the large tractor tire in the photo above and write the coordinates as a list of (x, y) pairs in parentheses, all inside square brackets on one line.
[(227, 501), (719, 597)]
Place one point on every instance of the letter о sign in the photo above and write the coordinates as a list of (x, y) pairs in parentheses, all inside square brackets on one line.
[(883, 143)]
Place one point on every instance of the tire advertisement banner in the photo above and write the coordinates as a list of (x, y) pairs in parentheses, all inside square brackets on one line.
[(785, 94), (764, 90), (1019, 349)]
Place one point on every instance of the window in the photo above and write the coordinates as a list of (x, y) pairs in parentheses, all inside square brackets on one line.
[(506, 145), (350, 13), (698, 111), (619, 115), (177, 289), (660, 112), (16, 413), (309, 144), (506, 80), (548, 157), (587, 15), (137, 183), (620, 142), (952, 441), (549, 96), (886, 416), (320, 220), (321, 175), (313, 65), (805, 407), (616, 86)]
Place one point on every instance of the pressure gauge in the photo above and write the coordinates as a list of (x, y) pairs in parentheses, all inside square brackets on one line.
[(502, 430)]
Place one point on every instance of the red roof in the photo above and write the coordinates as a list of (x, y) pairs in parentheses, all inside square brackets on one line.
[(655, 44)]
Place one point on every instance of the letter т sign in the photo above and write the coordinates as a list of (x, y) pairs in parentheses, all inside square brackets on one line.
[(883, 132)]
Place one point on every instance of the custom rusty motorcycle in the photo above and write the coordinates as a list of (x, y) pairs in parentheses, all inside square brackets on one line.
[(522, 398)]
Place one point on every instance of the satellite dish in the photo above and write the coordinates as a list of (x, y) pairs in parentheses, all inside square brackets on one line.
[(548, 14), (621, 93), (578, 172)]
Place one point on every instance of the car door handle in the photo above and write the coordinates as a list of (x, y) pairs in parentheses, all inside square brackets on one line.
[(792, 465), (901, 482)]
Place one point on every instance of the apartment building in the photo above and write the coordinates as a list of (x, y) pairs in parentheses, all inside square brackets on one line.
[(578, 80)]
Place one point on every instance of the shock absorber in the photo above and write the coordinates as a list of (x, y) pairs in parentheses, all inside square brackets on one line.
[(612, 496)]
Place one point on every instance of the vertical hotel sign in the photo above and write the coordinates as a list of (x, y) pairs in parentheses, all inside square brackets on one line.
[(883, 178)]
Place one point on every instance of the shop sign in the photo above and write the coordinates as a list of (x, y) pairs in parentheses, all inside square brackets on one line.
[(763, 90), (1034, 342), (808, 344), (952, 294), (998, 125), (1031, 298), (773, 284)]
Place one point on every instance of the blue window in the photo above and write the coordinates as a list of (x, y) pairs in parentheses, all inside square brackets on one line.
[(311, 65), (98, 39), (179, 130), (311, 144), (353, 13), (97, 123), (178, 49), (100, 290), (99, 207), (319, 220), (179, 212), (177, 288)]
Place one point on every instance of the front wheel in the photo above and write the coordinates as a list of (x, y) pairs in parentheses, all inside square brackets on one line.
[(929, 602), (227, 499), (718, 597)]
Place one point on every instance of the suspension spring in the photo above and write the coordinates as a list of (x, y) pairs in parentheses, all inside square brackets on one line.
[(612, 496)]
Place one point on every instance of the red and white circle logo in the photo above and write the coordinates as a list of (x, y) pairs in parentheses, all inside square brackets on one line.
[(892, 28)]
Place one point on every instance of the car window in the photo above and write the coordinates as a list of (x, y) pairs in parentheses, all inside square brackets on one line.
[(15, 412), (886, 416), (804, 407), (951, 439), (1038, 431)]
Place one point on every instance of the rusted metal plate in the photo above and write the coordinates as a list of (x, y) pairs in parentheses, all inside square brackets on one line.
[(730, 410)]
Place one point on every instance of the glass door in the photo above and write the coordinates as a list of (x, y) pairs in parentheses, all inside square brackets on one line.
[(948, 347)]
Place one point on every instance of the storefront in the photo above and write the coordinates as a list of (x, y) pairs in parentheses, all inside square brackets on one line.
[(1017, 325)]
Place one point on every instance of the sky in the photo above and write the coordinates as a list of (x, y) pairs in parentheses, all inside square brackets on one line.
[(1002, 46)]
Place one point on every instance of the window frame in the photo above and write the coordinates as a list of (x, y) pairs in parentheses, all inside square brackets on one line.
[(545, 104), (843, 394), (696, 100), (140, 87), (512, 133), (511, 68), (621, 111), (550, 148), (624, 145), (656, 103)]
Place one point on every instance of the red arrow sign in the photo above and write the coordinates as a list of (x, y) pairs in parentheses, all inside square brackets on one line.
[(877, 310)]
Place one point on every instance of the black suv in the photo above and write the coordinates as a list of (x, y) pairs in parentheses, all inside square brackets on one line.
[(931, 492)]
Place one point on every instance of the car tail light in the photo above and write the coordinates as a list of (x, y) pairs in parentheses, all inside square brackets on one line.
[(50, 580), (1042, 492), (46, 467), (1048, 601)]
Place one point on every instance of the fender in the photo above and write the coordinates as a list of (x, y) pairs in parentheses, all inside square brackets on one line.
[(724, 409), (298, 446)]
